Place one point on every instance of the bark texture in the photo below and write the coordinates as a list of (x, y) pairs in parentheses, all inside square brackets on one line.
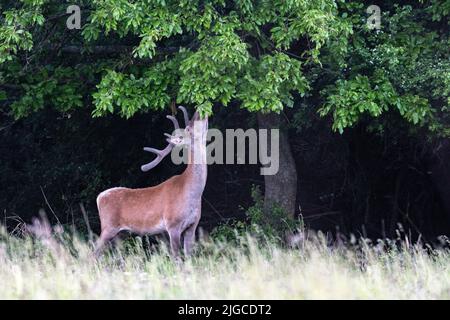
[(281, 188), (439, 169)]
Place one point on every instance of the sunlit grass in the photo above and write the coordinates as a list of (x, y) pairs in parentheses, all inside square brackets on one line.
[(62, 267)]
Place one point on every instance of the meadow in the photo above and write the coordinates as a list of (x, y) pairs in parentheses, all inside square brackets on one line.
[(61, 266)]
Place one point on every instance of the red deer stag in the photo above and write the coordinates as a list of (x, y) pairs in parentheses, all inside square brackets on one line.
[(173, 206)]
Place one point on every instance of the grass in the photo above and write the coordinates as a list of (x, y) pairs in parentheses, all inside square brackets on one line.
[(61, 267)]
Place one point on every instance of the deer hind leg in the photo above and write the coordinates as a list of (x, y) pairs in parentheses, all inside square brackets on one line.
[(189, 238), (105, 237)]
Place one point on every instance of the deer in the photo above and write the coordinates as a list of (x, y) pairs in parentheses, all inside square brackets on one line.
[(173, 206)]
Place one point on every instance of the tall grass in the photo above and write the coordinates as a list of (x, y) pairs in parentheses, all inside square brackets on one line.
[(62, 267)]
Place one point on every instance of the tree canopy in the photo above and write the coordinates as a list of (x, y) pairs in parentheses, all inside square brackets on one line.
[(259, 53)]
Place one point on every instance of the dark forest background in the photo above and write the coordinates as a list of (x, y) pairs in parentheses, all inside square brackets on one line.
[(380, 171), (346, 181)]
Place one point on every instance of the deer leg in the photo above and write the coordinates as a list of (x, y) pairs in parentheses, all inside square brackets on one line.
[(105, 237), (189, 238), (175, 243)]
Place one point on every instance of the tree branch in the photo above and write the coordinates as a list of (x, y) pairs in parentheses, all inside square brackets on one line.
[(109, 49)]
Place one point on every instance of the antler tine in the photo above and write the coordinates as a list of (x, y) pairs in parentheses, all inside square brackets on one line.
[(174, 120), (160, 154), (153, 150), (185, 114)]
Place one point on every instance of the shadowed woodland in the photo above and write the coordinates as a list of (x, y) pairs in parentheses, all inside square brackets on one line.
[(364, 113)]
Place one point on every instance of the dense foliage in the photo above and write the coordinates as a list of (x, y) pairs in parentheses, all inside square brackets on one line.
[(61, 267)]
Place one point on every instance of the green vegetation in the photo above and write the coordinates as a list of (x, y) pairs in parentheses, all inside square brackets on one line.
[(219, 52), (271, 227), (61, 266)]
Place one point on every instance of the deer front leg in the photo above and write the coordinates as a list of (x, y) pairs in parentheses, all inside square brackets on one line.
[(189, 238), (175, 243)]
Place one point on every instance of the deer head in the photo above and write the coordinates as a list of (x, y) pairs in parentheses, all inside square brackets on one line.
[(193, 136)]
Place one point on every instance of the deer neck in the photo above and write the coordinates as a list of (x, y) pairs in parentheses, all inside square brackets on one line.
[(196, 170)]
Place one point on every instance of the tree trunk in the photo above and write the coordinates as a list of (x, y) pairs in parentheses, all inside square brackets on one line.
[(281, 188), (439, 168)]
